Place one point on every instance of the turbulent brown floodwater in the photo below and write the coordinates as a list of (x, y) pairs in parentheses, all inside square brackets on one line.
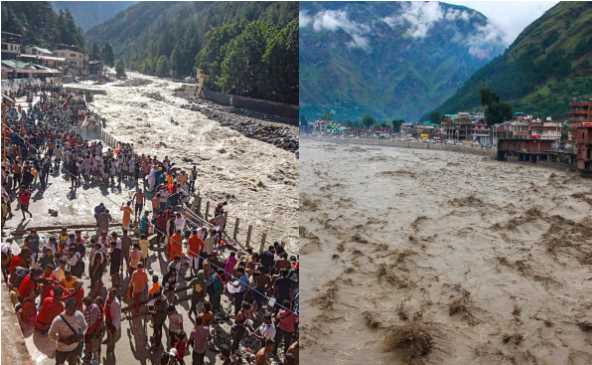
[(257, 179), (485, 262)]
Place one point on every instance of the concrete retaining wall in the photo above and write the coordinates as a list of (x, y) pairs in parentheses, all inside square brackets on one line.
[(287, 113)]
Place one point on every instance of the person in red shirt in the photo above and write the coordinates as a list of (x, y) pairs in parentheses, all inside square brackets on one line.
[(28, 286), (24, 198), (286, 327), (48, 282), (50, 308), (22, 260), (181, 346), (175, 248)]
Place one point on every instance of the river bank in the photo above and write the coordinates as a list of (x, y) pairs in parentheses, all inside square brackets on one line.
[(278, 134), (403, 144), (437, 257)]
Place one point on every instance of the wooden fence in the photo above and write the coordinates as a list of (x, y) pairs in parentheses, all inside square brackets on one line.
[(234, 229)]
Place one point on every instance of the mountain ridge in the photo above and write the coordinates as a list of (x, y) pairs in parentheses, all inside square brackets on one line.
[(549, 63), (390, 60), (87, 14)]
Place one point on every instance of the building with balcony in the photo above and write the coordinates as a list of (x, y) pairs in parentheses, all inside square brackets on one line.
[(583, 138), (76, 62), (11, 45), (580, 110), (14, 69), (37, 51), (49, 61)]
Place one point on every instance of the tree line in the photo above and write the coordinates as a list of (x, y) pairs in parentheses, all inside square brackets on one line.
[(366, 122), (495, 112), (245, 48), (40, 25), (253, 59)]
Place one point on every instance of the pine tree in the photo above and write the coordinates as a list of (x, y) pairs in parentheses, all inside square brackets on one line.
[(95, 52), (108, 56), (120, 69)]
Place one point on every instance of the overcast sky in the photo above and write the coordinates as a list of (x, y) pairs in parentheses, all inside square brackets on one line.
[(511, 16)]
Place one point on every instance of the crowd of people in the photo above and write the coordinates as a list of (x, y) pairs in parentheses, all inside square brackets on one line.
[(242, 303)]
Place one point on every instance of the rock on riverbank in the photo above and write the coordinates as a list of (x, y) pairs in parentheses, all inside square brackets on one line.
[(277, 134)]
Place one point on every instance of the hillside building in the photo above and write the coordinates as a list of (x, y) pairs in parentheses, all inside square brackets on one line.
[(11, 45), (76, 62), (581, 110), (37, 51)]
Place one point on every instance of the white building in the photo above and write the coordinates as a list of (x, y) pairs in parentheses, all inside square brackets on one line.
[(11, 45)]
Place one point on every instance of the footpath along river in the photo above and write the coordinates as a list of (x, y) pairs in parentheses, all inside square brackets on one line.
[(421, 256), (258, 180)]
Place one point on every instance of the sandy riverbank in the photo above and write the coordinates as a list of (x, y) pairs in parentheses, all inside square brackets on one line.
[(478, 261)]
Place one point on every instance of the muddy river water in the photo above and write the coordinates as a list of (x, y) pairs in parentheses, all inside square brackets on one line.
[(258, 180), (419, 256)]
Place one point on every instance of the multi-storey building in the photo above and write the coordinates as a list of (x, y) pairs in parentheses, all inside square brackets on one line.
[(11, 45)]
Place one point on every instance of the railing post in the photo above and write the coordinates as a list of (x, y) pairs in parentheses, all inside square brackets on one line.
[(225, 220), (249, 232), (262, 245), (236, 223), (199, 205), (207, 212)]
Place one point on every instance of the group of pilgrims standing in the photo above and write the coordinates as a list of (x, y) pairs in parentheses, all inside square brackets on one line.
[(253, 293)]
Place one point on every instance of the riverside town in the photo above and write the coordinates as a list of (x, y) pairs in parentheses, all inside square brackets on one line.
[(522, 137)]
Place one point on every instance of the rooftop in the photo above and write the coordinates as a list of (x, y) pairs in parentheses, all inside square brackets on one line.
[(11, 37), (42, 50), (49, 58), (27, 66), (69, 47)]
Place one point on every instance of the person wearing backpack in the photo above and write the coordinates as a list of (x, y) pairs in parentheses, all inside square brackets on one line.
[(67, 331)]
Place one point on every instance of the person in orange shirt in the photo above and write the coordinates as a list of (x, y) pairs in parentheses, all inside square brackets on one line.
[(196, 246), (154, 290), (127, 214), (175, 248), (138, 284)]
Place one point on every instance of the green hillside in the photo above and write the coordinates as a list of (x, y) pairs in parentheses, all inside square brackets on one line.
[(87, 14), (39, 24), (165, 38), (549, 63), (391, 60)]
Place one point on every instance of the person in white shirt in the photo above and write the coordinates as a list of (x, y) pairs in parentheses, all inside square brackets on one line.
[(180, 222), (67, 331), (267, 329)]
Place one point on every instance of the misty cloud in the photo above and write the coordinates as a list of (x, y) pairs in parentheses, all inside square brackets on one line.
[(334, 20), (482, 43), (418, 18), (415, 20)]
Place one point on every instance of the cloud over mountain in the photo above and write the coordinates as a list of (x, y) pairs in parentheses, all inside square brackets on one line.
[(414, 20), (334, 20), (414, 55)]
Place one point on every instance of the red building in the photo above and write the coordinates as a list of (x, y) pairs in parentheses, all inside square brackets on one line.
[(581, 123), (583, 137), (581, 110)]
